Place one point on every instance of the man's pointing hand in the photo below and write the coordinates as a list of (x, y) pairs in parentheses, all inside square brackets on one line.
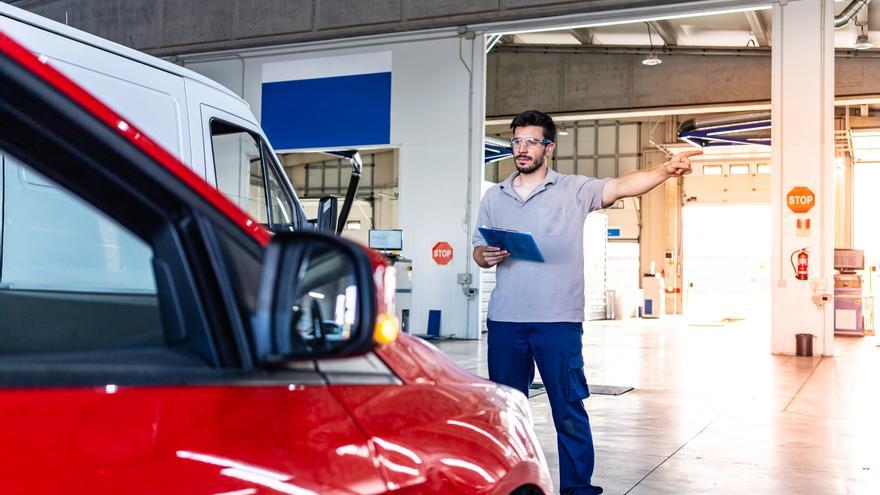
[(680, 164)]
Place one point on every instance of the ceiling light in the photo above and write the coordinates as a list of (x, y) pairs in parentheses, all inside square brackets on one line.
[(862, 42), (651, 60)]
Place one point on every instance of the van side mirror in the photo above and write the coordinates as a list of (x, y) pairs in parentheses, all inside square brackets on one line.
[(327, 217), (354, 158), (317, 299)]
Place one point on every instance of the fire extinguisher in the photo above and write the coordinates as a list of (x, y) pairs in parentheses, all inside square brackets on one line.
[(803, 264)]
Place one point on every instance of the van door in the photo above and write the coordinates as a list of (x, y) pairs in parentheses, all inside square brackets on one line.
[(259, 186)]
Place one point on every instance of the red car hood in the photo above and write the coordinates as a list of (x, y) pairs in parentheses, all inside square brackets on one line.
[(449, 431)]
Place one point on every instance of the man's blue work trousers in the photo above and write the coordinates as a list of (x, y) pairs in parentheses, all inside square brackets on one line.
[(514, 349)]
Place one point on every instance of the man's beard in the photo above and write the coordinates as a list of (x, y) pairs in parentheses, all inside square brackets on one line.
[(536, 164)]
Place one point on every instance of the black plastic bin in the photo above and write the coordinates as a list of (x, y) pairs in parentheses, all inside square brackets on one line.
[(804, 344)]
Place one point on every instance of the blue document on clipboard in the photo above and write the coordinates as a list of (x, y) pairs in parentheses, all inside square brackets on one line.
[(520, 245)]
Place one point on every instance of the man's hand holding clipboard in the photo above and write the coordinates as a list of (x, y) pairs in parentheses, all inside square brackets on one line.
[(518, 245), (489, 256)]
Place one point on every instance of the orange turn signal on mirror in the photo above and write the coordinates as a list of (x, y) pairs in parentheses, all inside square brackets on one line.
[(387, 329)]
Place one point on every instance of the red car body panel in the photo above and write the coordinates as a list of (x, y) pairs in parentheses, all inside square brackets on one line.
[(443, 430), (476, 430), (197, 440)]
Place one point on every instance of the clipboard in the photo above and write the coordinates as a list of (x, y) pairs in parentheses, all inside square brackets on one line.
[(520, 245)]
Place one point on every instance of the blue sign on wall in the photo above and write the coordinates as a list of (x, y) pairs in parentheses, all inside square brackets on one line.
[(352, 110), (614, 232)]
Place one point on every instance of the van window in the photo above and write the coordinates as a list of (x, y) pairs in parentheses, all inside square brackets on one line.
[(282, 211), (72, 280), (238, 164), (242, 165)]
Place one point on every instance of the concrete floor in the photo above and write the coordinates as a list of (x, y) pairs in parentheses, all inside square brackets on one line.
[(714, 412)]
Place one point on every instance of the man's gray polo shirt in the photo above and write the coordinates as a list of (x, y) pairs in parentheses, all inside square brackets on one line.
[(553, 291)]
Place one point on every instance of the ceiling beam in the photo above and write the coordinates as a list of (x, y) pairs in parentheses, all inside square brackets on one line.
[(758, 27), (666, 30), (491, 41), (583, 35)]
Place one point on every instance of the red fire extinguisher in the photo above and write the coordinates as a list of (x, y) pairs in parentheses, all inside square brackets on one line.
[(803, 264)]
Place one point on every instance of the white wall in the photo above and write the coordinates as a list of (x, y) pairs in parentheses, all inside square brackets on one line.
[(435, 102)]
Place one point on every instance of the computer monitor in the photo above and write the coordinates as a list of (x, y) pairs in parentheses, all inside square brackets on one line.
[(386, 240), (849, 259)]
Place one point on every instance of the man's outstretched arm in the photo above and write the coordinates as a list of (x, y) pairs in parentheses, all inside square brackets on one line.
[(642, 181)]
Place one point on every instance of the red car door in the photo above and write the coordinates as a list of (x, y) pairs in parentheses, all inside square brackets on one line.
[(196, 440), (124, 364)]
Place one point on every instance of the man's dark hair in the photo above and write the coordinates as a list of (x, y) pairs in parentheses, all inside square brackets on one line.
[(537, 118)]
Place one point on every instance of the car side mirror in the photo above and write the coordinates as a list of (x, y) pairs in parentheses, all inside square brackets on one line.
[(319, 297)]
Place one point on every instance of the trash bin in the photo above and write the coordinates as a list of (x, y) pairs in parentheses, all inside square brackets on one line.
[(804, 344)]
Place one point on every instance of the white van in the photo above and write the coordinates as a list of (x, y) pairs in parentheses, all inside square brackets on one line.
[(52, 243), (204, 124)]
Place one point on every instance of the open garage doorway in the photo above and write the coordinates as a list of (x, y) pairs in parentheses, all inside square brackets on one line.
[(866, 235), (726, 262)]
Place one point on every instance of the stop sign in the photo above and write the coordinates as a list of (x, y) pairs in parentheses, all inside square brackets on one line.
[(800, 199), (442, 253)]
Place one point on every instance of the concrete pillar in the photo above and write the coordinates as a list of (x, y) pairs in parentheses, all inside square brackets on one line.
[(672, 253), (802, 105)]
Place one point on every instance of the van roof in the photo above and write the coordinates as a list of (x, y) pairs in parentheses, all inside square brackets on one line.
[(46, 24)]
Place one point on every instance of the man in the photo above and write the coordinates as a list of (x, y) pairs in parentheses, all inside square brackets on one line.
[(536, 312)]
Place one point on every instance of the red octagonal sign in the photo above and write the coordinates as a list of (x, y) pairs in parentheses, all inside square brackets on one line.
[(442, 253), (800, 199)]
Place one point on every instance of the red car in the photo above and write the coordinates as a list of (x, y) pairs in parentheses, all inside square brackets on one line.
[(186, 350)]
